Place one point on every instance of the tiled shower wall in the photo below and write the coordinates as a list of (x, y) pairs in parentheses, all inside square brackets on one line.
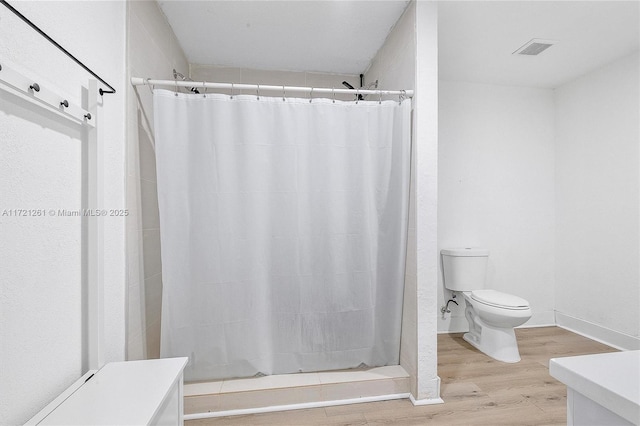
[(152, 52), (395, 67)]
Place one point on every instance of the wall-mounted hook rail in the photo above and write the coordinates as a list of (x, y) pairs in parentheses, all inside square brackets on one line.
[(24, 87)]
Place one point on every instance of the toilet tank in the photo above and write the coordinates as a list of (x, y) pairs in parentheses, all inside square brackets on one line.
[(464, 268)]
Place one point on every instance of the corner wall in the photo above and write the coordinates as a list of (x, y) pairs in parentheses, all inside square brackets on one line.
[(43, 342), (496, 190), (597, 201), (394, 66), (152, 52), (549, 182), (409, 60)]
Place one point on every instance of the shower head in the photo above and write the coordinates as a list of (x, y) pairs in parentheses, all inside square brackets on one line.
[(359, 97), (182, 77), (345, 83)]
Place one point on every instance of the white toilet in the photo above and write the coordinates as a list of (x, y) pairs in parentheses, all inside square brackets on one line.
[(492, 315)]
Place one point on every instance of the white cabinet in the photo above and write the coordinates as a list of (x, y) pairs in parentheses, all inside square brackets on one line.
[(146, 392), (602, 389)]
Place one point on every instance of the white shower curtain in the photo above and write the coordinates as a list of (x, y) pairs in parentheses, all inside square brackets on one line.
[(283, 230)]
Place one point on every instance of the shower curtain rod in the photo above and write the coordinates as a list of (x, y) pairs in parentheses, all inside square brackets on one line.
[(138, 81)]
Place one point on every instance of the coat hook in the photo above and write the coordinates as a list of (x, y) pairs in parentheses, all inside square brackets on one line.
[(88, 116), (35, 87), (64, 103)]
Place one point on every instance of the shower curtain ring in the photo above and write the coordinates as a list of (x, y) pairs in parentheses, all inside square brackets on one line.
[(357, 95), (401, 96), (204, 89), (231, 90), (311, 95), (333, 91), (152, 87), (379, 97), (175, 80), (258, 91), (283, 93)]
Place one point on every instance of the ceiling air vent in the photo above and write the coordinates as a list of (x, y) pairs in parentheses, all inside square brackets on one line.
[(534, 47)]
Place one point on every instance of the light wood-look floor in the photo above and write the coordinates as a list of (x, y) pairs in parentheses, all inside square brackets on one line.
[(477, 390)]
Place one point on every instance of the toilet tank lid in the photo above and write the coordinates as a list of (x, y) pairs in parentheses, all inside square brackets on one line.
[(465, 252)]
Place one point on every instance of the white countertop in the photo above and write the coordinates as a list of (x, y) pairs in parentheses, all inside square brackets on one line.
[(120, 393), (611, 379)]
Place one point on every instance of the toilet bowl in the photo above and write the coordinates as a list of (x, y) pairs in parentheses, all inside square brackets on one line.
[(492, 315), (499, 309)]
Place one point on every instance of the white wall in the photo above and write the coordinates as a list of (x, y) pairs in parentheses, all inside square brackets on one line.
[(496, 189), (597, 198), (548, 181), (394, 66), (427, 144), (152, 52), (409, 60), (43, 342)]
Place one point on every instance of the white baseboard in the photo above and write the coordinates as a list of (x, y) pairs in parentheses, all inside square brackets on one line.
[(428, 388), (597, 332), (459, 324), (426, 401), (588, 329), (453, 325), (541, 319)]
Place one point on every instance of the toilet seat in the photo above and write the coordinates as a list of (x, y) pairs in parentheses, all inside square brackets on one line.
[(499, 300)]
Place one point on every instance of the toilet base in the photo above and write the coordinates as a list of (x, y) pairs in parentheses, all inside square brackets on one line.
[(498, 343)]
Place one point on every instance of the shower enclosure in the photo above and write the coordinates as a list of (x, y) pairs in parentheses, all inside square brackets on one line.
[(283, 232)]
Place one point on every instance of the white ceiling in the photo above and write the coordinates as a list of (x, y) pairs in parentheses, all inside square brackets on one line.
[(327, 36), (477, 38)]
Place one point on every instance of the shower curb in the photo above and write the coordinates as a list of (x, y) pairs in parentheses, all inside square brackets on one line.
[(300, 406)]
